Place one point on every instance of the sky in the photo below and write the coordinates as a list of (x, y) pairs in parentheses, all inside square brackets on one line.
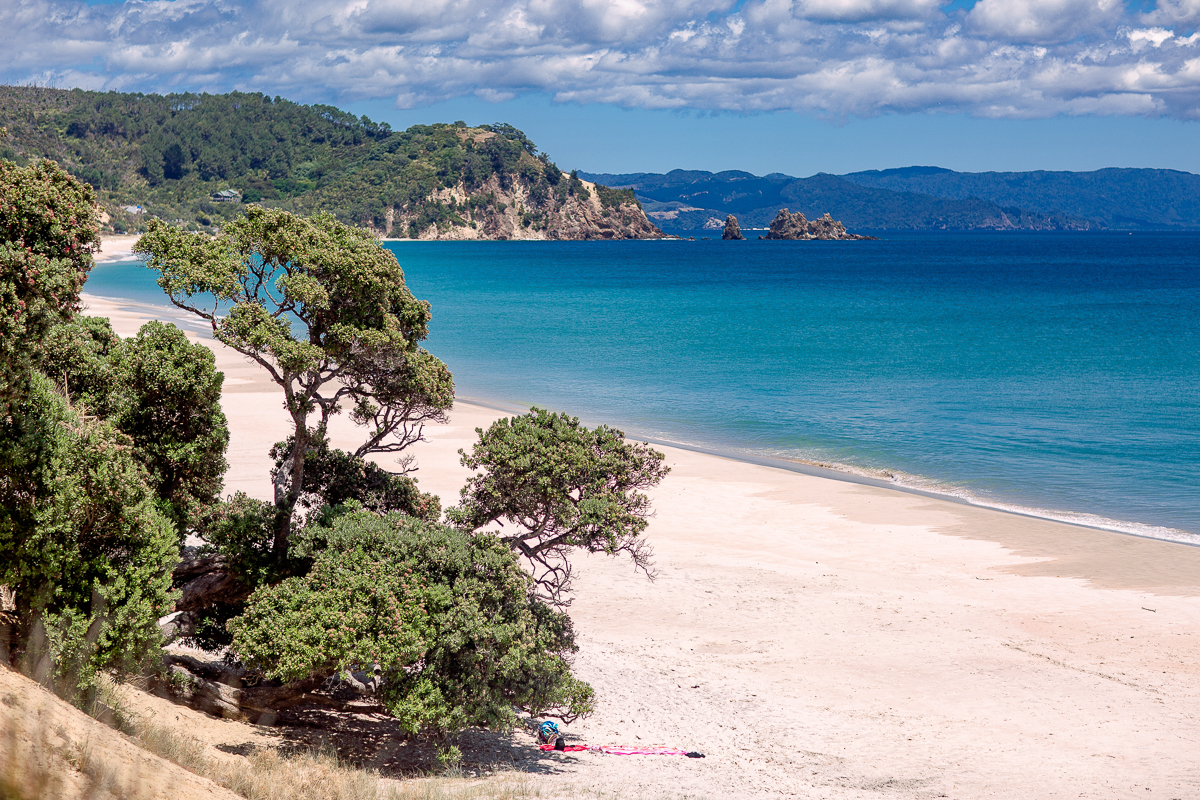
[(793, 86)]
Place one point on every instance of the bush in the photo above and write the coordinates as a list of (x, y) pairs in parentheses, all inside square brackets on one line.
[(158, 388), (560, 487), (447, 616), (82, 544), (48, 232), (170, 405), (334, 477)]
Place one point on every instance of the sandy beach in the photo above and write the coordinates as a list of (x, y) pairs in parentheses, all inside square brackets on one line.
[(116, 247), (818, 638)]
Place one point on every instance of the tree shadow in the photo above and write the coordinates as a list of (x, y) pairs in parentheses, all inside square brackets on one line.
[(365, 736)]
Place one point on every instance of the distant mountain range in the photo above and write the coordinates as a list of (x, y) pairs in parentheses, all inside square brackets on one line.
[(924, 198)]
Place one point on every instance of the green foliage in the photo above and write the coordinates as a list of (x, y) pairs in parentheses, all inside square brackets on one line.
[(48, 232), (614, 198), (240, 530), (447, 616), (559, 486), (158, 388), (170, 405), (334, 477), (82, 543), (324, 309), (79, 357), (170, 153)]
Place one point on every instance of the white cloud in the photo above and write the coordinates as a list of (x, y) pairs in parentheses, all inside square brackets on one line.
[(1005, 58), (1174, 12), (1043, 20), (1152, 36), (861, 10)]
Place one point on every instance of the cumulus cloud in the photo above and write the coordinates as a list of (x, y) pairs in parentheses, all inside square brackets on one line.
[(1002, 58), (1043, 20)]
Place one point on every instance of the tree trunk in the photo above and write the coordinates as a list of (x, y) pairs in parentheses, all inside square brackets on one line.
[(206, 581), (226, 691), (289, 483)]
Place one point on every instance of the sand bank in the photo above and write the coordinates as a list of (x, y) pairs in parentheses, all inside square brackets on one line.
[(116, 247), (818, 638)]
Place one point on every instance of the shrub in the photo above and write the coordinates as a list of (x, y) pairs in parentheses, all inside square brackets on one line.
[(448, 616), (82, 544)]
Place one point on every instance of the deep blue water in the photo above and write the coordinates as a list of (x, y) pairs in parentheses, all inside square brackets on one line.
[(1056, 373)]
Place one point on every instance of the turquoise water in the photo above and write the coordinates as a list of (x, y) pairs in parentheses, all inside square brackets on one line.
[(1056, 374)]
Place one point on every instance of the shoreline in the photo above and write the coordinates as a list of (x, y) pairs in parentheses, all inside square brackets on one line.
[(116, 247), (849, 474), (823, 638), (837, 472)]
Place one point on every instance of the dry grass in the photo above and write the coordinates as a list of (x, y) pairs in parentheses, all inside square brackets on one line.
[(266, 774), (40, 758), (37, 762)]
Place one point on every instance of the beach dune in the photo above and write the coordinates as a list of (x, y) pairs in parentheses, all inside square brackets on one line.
[(819, 638)]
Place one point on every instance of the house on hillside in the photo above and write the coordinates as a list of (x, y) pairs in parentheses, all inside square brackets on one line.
[(226, 196)]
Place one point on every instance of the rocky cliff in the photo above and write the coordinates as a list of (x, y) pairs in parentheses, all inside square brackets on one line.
[(581, 210), (492, 183), (797, 226)]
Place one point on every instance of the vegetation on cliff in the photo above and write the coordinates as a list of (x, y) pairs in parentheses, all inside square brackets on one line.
[(168, 157)]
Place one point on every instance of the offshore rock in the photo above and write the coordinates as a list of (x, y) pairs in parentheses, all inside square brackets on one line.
[(797, 226), (732, 231)]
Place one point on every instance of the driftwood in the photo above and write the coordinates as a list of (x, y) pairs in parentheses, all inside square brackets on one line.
[(228, 691)]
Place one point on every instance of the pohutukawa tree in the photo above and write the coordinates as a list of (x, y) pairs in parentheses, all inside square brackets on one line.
[(48, 232), (554, 486), (85, 555), (323, 308)]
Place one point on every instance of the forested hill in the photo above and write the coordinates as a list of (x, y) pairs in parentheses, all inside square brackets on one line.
[(688, 200), (1116, 198), (170, 157)]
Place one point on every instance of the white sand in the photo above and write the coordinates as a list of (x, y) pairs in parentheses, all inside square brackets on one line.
[(116, 247), (823, 639)]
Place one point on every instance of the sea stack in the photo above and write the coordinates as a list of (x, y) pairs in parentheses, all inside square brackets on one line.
[(797, 226), (732, 230)]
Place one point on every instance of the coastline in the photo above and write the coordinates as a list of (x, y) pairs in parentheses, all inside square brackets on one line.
[(914, 485), (824, 638), (119, 248)]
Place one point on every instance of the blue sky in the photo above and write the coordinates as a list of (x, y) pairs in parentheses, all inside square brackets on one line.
[(795, 86)]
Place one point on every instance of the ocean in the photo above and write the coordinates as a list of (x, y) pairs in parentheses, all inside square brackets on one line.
[(1053, 374)]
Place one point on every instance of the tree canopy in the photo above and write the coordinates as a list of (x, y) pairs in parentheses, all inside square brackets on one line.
[(170, 153), (323, 308), (556, 486), (448, 617), (48, 233), (159, 389)]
